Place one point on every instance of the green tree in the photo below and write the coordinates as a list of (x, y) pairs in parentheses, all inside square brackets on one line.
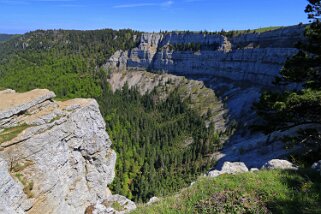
[(301, 106)]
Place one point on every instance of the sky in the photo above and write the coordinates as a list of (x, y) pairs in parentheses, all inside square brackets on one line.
[(20, 16)]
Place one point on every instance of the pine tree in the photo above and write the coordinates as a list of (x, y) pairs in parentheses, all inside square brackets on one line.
[(300, 107)]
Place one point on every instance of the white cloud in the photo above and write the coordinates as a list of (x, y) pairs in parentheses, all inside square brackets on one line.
[(167, 3), (146, 4)]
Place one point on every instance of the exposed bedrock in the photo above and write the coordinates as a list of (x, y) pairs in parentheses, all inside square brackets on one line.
[(55, 157), (253, 57)]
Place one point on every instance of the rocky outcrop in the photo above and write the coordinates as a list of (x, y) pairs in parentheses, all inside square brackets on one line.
[(254, 57), (229, 168), (114, 204), (279, 164), (240, 167), (55, 157)]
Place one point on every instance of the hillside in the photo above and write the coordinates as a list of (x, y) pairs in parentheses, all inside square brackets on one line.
[(7, 37), (253, 192)]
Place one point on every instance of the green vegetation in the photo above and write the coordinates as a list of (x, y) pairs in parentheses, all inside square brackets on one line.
[(66, 62), (10, 133), (192, 47), (116, 205), (300, 107), (18, 167), (227, 33), (27, 185), (241, 32), (260, 192), (7, 37), (55, 118), (161, 146)]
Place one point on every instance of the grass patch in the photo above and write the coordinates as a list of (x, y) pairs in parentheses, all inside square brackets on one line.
[(55, 118), (18, 167), (116, 205), (261, 192), (10, 133), (27, 185)]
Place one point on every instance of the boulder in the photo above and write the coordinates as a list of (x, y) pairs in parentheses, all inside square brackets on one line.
[(279, 164), (154, 199), (254, 169), (214, 173), (229, 168), (317, 166), (234, 168)]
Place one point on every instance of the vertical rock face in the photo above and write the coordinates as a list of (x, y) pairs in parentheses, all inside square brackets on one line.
[(250, 57), (55, 157)]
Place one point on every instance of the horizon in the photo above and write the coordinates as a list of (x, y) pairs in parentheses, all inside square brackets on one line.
[(197, 31), (21, 16)]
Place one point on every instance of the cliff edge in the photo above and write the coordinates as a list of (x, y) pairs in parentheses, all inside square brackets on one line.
[(55, 157)]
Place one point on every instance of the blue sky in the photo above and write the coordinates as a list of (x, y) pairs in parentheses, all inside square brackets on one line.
[(19, 16)]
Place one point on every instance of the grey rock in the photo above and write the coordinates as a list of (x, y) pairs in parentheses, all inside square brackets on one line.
[(279, 164), (229, 168), (12, 198), (317, 166), (251, 57), (234, 168), (154, 199), (114, 204), (21, 102), (254, 169), (214, 173), (65, 154)]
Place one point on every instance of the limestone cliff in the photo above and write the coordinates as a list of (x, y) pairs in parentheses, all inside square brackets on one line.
[(253, 57), (55, 157)]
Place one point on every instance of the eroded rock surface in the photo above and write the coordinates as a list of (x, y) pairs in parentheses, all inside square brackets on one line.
[(253, 57), (55, 157)]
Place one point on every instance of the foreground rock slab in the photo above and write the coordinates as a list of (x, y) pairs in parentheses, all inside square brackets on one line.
[(55, 157)]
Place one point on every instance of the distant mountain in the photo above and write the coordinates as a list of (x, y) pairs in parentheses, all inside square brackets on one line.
[(6, 37)]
